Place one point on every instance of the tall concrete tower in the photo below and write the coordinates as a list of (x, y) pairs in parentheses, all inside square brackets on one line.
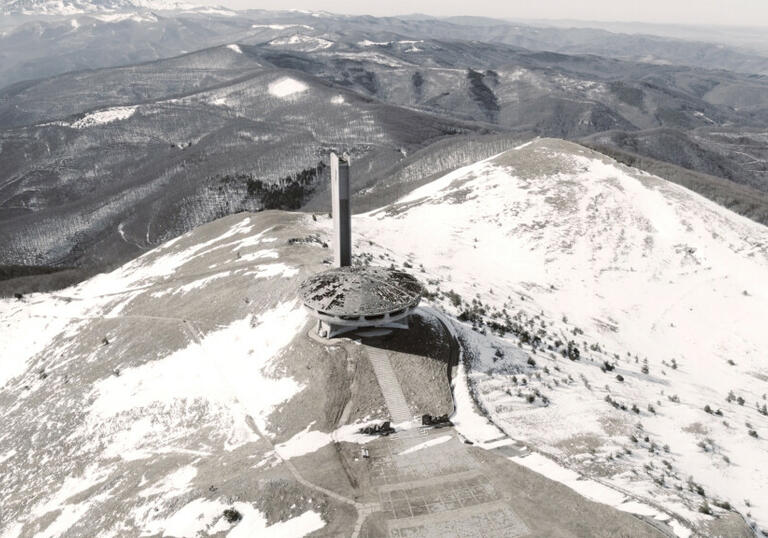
[(348, 298), (342, 225)]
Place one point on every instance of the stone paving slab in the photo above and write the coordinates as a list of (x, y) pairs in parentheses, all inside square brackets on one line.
[(438, 494), (488, 520), (390, 466), (432, 481), (438, 490)]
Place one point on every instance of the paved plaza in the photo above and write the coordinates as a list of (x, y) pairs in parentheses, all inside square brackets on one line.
[(429, 483)]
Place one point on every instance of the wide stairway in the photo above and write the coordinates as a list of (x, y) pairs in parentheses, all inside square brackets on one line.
[(390, 386)]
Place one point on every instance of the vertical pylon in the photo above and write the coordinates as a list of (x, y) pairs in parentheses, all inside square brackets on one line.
[(342, 225)]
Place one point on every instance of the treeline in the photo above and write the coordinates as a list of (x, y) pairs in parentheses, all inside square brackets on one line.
[(290, 192), (482, 94), (430, 163), (15, 271)]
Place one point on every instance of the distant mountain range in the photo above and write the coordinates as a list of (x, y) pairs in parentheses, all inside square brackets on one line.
[(92, 187), (101, 162), (72, 7)]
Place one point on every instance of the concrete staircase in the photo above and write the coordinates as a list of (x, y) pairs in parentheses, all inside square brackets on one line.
[(390, 386)]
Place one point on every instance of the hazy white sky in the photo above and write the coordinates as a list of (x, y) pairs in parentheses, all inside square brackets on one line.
[(721, 12)]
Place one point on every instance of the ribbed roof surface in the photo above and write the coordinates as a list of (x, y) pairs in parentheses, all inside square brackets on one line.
[(360, 291)]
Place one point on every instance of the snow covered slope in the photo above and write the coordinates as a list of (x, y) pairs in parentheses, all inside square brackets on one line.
[(660, 292), (140, 402)]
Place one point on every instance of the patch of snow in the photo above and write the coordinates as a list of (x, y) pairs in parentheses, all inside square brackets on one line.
[(337, 99), (8, 455), (129, 444), (426, 444), (281, 26), (588, 488), (525, 145), (235, 48), (680, 530), (259, 255), (162, 5), (172, 485), (228, 368), (368, 43), (33, 320), (159, 264), (287, 86), (120, 17), (547, 467), (241, 434), (703, 116), (104, 117), (191, 520), (214, 11), (222, 525), (466, 419), (12, 530), (69, 513), (195, 284), (274, 269), (301, 42), (634, 507), (304, 442), (255, 524), (68, 516)]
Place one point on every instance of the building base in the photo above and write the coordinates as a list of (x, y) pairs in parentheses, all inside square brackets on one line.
[(330, 330)]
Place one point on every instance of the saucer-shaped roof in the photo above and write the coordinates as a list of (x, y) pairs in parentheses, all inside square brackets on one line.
[(360, 291)]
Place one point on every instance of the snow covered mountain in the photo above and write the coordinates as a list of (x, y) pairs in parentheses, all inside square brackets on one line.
[(554, 251), (610, 321), (72, 7), (129, 432)]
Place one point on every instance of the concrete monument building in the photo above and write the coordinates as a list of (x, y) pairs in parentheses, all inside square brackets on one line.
[(342, 221), (347, 298)]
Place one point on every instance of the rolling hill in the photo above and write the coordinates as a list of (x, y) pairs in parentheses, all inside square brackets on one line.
[(40, 38), (612, 318), (96, 187)]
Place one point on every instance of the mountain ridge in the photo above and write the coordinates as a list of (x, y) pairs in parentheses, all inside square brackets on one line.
[(75, 7), (554, 247)]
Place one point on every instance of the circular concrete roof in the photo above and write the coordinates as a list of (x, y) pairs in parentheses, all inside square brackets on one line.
[(360, 291)]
